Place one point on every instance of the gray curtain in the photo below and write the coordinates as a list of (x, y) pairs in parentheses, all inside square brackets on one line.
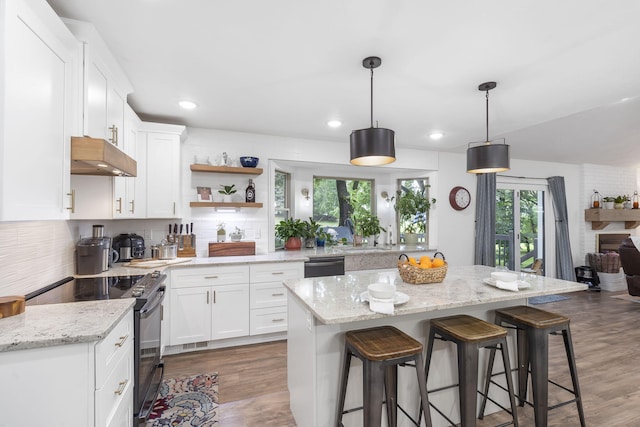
[(564, 261), (485, 250)]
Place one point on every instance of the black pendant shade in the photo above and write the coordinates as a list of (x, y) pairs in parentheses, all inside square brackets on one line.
[(487, 157), (372, 146)]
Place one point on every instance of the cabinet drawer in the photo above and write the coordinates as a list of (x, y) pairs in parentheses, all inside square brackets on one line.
[(264, 295), (267, 320), (209, 276), (110, 349), (123, 415), (276, 272), (116, 387)]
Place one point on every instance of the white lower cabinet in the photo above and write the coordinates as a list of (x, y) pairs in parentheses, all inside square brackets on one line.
[(209, 303), (75, 385)]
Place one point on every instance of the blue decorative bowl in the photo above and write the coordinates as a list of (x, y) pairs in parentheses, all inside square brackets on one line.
[(249, 162)]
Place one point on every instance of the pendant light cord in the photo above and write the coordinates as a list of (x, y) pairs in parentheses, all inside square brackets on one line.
[(371, 65), (487, 115)]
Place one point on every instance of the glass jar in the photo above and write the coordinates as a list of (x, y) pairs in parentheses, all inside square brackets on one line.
[(596, 200), (635, 200)]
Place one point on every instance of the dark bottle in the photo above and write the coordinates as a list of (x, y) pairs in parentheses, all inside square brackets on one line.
[(251, 193)]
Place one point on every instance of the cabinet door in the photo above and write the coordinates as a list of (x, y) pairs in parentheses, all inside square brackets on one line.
[(126, 190), (163, 175), (40, 65), (190, 315), (230, 315), (96, 87)]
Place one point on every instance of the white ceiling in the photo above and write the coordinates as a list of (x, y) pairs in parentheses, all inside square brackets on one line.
[(568, 72)]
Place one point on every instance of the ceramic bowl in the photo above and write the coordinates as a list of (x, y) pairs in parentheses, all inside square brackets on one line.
[(382, 290), (249, 162), (504, 276)]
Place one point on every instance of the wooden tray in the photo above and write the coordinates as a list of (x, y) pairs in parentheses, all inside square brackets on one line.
[(232, 248)]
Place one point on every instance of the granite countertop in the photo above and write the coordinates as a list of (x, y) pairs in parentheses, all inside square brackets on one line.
[(336, 299), (58, 324)]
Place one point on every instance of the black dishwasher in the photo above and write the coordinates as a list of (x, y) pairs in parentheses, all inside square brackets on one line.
[(324, 266)]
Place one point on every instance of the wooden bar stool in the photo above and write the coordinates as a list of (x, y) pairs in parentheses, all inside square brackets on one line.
[(533, 328), (470, 334), (381, 350)]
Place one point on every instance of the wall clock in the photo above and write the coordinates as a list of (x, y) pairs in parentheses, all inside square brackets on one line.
[(459, 198)]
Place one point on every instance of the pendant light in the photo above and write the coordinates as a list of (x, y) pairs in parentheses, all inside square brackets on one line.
[(372, 146), (487, 156)]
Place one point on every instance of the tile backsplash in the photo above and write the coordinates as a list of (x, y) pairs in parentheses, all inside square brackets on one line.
[(34, 254)]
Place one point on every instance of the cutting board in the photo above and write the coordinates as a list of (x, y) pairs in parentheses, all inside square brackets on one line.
[(155, 263), (232, 248), (11, 305)]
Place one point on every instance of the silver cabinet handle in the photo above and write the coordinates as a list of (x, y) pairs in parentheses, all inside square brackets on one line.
[(277, 272), (133, 208), (214, 296), (114, 135), (119, 202), (277, 320), (278, 295), (210, 277), (207, 297), (72, 208), (121, 386), (122, 341)]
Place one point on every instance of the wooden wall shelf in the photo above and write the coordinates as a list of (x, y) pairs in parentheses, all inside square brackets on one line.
[(600, 218), (224, 205), (225, 169)]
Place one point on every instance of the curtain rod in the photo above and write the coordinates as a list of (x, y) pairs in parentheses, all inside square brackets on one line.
[(520, 177)]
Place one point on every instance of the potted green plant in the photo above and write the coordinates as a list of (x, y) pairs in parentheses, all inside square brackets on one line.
[(311, 228), (618, 202), (227, 191), (412, 208), (368, 225), (607, 202), (290, 231)]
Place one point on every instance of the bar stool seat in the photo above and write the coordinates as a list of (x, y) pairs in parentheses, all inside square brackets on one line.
[(469, 334), (381, 350), (533, 329)]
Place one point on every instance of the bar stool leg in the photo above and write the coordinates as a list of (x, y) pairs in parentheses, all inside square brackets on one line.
[(523, 365), (539, 354), (483, 405), (424, 399), (468, 383), (346, 365), (391, 394), (568, 345), (507, 373), (372, 387)]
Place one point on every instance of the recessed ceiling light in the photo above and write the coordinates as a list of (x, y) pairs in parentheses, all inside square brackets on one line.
[(334, 123), (187, 105), (436, 135)]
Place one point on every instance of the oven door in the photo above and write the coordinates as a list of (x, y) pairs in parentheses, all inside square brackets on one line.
[(148, 366)]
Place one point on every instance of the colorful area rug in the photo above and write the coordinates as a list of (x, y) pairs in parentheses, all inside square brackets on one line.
[(186, 402), (546, 298), (627, 297)]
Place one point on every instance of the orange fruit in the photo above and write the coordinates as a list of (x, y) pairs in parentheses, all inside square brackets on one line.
[(426, 259), (412, 261), (437, 262), (425, 262)]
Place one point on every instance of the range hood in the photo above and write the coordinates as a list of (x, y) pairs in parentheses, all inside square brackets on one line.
[(93, 156)]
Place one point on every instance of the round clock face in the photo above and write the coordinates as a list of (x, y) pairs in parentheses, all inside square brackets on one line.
[(459, 198)]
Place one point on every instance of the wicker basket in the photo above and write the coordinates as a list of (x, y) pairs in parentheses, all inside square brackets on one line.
[(420, 276)]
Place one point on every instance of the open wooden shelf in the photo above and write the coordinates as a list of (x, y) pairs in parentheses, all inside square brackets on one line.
[(225, 169), (224, 205), (600, 218)]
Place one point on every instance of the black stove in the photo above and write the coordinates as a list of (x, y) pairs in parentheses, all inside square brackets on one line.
[(98, 288)]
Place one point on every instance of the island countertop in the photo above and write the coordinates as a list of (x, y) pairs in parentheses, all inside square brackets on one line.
[(336, 299)]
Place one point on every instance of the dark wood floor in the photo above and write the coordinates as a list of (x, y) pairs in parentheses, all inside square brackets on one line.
[(606, 337)]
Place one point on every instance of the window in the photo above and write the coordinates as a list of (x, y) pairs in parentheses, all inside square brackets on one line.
[(337, 200), (282, 192), (412, 204)]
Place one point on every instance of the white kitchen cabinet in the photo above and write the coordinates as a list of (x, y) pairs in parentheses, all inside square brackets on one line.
[(40, 98), (208, 303), (269, 296), (162, 144), (75, 385), (129, 192)]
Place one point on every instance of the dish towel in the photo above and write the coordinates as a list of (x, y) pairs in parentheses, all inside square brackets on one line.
[(509, 286), (384, 306)]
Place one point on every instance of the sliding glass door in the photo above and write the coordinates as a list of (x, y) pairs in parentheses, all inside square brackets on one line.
[(519, 225)]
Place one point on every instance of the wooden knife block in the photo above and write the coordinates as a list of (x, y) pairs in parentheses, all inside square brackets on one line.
[(187, 246)]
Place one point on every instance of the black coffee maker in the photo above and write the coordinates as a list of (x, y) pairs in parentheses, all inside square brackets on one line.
[(128, 247)]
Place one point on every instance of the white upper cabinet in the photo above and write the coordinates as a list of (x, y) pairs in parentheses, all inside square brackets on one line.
[(105, 86), (129, 192), (162, 169), (39, 94)]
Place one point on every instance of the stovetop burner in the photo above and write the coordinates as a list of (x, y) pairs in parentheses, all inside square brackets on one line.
[(96, 288)]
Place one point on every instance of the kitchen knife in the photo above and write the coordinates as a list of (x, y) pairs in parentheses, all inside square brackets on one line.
[(187, 226), (180, 228), (169, 228), (191, 228), (175, 228)]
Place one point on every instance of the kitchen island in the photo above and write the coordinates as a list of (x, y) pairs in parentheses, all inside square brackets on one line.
[(321, 309)]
